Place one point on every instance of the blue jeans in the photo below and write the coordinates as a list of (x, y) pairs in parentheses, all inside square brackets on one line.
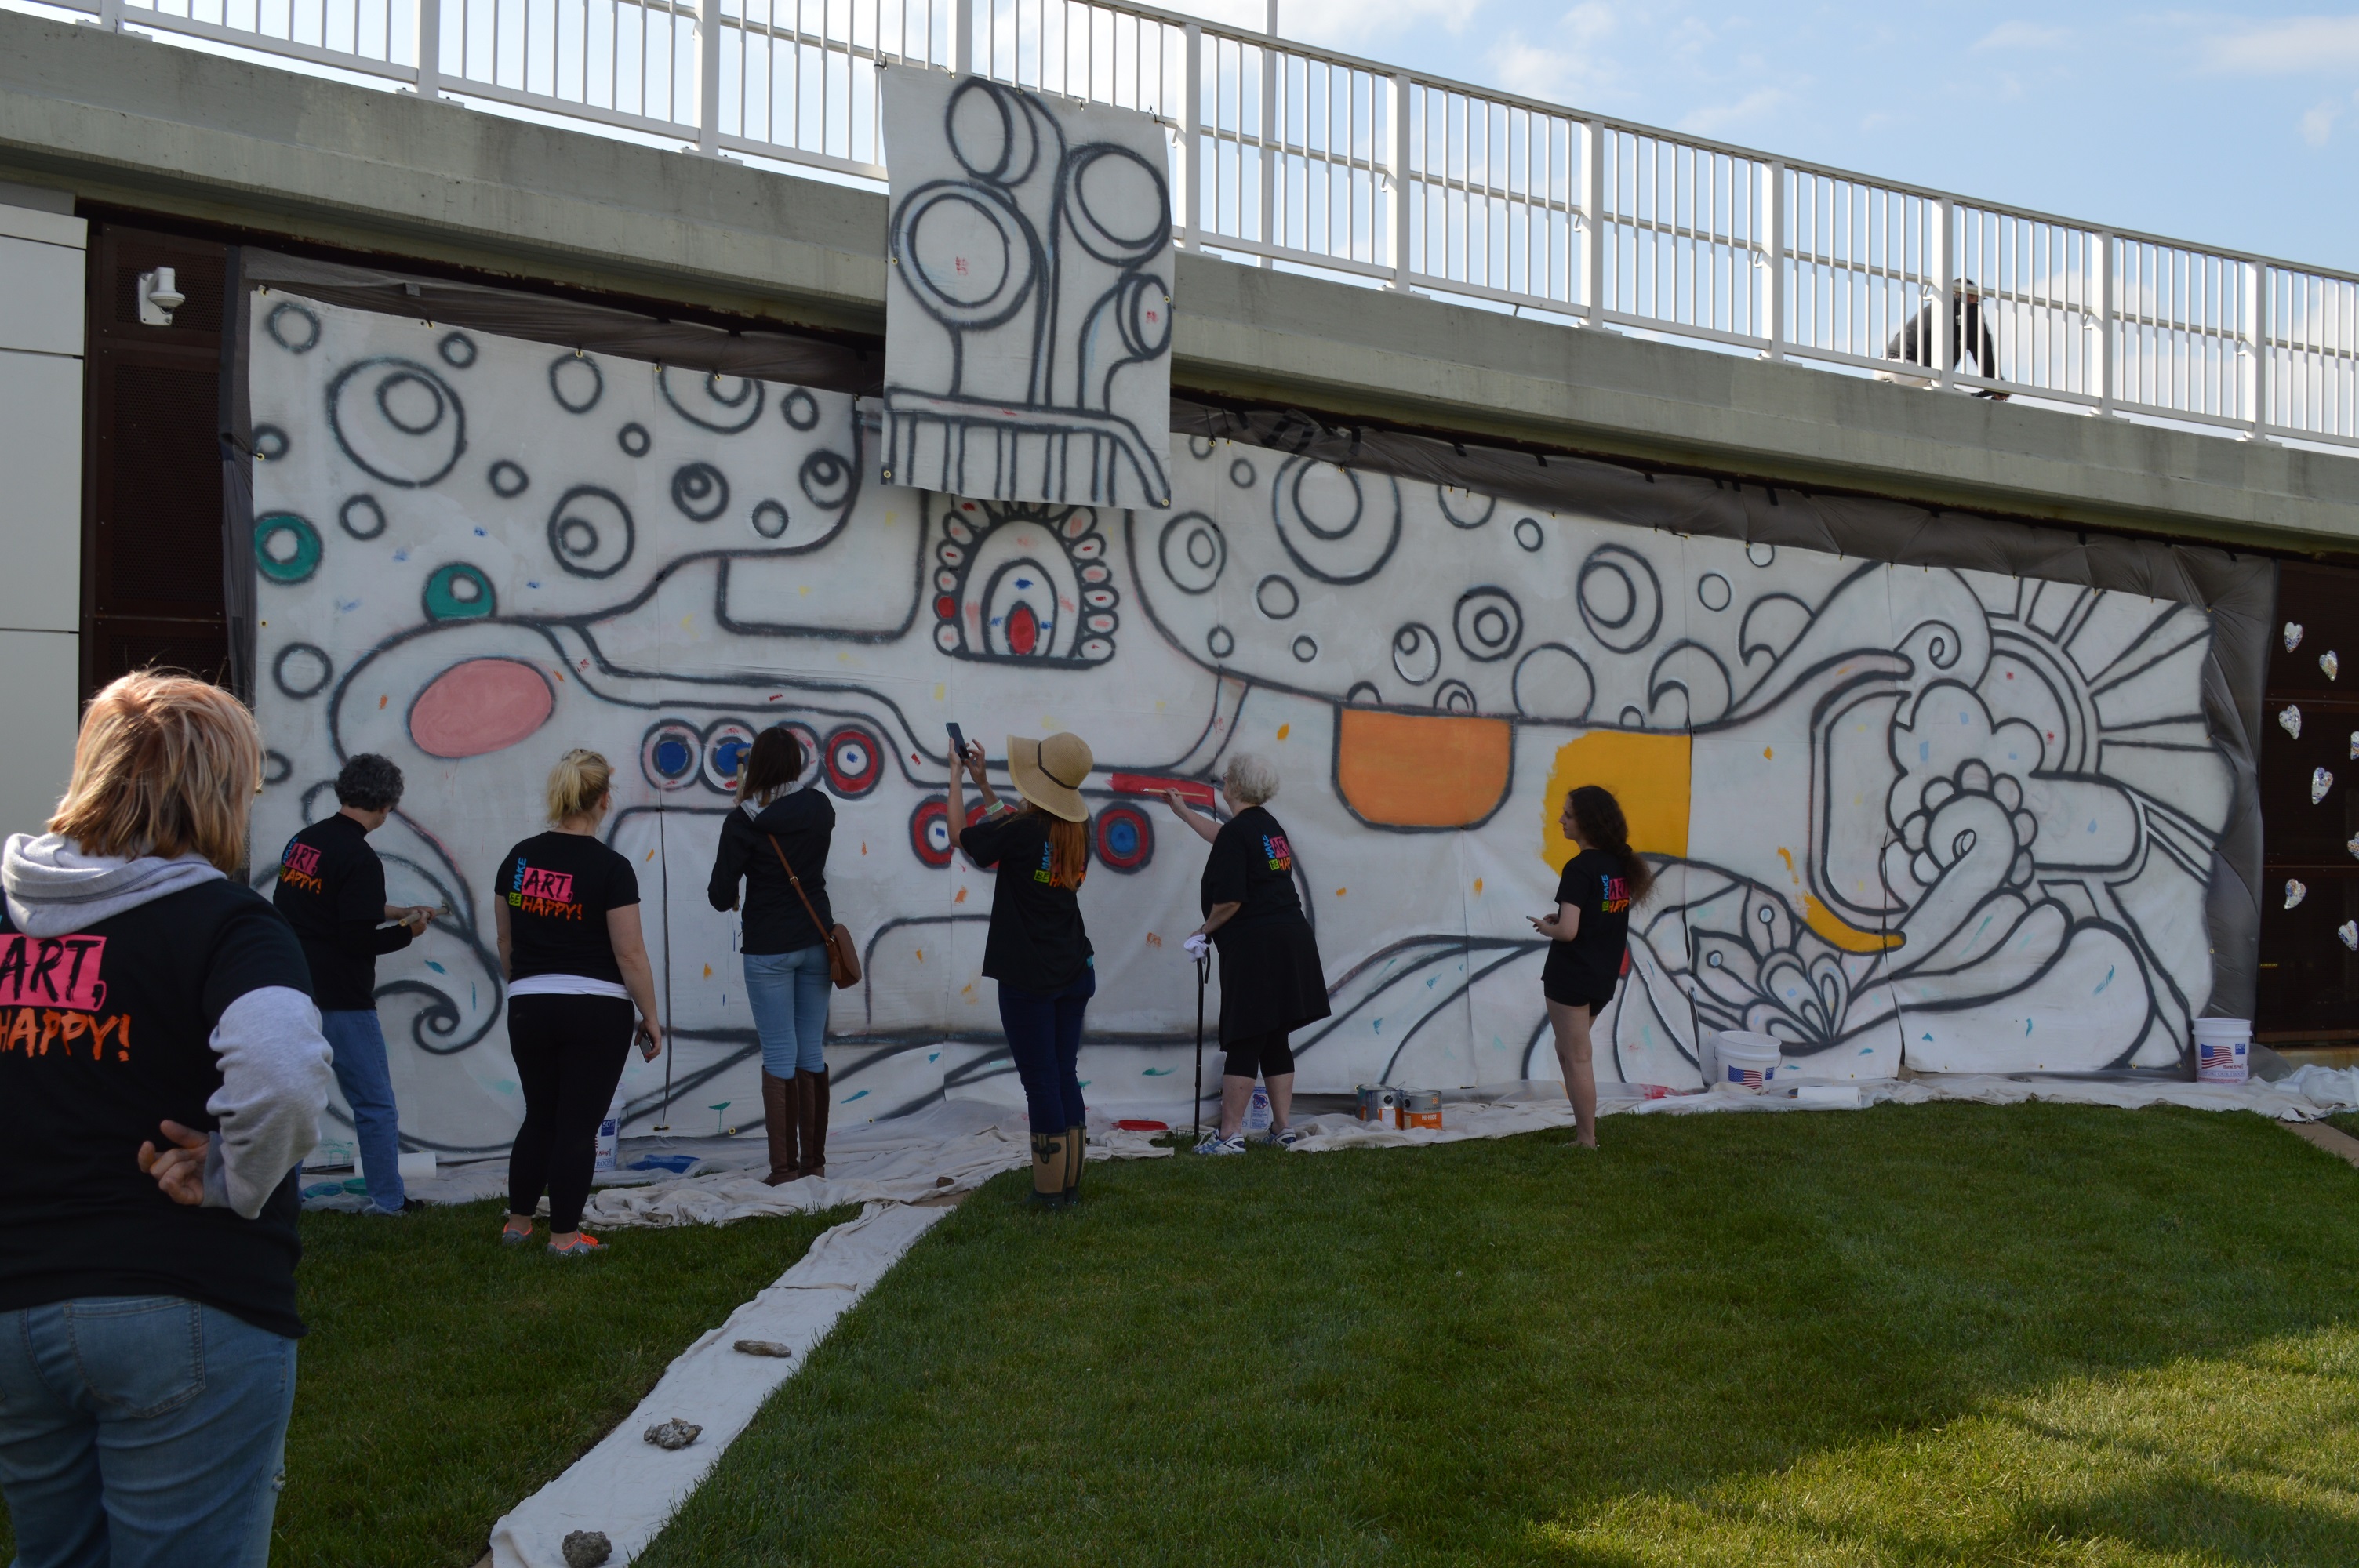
[(1044, 1035), (358, 1041), (788, 992), (142, 1432)]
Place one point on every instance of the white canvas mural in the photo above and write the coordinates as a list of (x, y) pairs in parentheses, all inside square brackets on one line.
[(1949, 819), (1027, 340)]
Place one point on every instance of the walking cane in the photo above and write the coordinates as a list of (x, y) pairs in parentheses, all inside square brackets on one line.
[(1196, 1109)]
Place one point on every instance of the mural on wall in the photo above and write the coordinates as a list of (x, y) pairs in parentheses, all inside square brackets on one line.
[(1951, 819), (1027, 334)]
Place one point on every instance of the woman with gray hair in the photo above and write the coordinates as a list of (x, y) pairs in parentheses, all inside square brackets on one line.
[(1272, 981)]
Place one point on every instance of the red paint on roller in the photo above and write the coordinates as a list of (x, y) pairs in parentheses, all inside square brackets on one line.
[(480, 707), (1195, 792)]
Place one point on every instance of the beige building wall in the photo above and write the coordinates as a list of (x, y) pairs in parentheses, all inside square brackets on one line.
[(41, 248)]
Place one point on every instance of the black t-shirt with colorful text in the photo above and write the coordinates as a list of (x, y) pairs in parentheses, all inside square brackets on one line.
[(1037, 942), (331, 888), (1590, 965), (1251, 865), (105, 1033), (557, 888)]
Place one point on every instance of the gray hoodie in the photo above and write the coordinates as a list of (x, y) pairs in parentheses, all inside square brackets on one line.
[(275, 1064)]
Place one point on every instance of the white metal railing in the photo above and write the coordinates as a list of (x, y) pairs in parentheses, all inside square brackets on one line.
[(1286, 153)]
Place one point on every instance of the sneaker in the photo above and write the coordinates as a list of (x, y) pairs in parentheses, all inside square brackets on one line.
[(583, 1245), (515, 1238), (1283, 1137), (1214, 1144)]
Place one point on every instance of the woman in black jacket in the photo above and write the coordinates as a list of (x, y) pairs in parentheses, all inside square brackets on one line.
[(777, 826), (1272, 979)]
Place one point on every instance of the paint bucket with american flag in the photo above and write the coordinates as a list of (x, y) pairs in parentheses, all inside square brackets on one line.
[(2221, 1047), (1744, 1061)]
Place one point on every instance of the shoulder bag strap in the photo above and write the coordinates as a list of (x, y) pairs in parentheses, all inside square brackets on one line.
[(816, 924)]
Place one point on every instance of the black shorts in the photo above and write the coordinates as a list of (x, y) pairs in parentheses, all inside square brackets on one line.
[(1563, 996), (1258, 1055)]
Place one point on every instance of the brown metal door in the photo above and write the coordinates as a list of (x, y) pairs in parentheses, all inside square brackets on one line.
[(152, 503), (2310, 971)]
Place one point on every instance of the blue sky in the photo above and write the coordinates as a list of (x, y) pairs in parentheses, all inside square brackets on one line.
[(2226, 127)]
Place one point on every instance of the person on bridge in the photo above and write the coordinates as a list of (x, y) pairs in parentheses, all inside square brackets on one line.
[(1970, 334), (1272, 979)]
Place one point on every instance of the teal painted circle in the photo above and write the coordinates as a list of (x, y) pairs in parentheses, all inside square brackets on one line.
[(459, 592), (286, 547)]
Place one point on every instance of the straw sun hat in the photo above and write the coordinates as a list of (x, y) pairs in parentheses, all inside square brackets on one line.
[(1049, 773)]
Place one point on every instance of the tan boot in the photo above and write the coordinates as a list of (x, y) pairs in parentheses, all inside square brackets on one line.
[(1048, 1171), (1077, 1149), (778, 1122), (812, 1098)]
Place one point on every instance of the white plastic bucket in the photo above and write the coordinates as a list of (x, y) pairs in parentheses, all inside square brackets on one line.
[(1743, 1060), (2221, 1047), (1257, 1110)]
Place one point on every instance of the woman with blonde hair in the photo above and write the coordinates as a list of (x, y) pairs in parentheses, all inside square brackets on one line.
[(162, 1075), (1038, 948), (1272, 978), (1589, 933), (568, 911)]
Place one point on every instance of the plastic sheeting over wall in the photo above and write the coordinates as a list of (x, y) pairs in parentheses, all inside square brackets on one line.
[(1936, 792)]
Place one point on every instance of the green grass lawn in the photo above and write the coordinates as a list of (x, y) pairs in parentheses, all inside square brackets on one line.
[(447, 1378), (1941, 1334)]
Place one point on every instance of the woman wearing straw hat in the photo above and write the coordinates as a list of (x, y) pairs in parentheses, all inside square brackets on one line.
[(1038, 949), (1272, 979)]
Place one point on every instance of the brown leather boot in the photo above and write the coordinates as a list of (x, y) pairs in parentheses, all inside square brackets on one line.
[(811, 1092), (778, 1122)]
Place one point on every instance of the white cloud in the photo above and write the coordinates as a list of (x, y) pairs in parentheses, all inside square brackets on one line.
[(1351, 23), (2297, 44), (2318, 123), (1714, 119), (2023, 36)]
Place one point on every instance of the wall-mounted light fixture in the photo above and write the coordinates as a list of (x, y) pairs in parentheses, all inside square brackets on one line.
[(159, 296)]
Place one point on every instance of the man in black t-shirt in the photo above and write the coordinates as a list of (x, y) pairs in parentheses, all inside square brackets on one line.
[(332, 891)]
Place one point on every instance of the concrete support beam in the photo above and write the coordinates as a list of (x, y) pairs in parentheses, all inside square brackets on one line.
[(124, 120)]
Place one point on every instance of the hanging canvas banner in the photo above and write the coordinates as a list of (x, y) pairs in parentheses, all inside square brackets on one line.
[(1027, 314), (1939, 818)]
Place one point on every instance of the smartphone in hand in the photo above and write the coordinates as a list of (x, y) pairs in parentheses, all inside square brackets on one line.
[(958, 745)]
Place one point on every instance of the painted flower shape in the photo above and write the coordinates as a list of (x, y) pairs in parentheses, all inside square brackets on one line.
[(1974, 814)]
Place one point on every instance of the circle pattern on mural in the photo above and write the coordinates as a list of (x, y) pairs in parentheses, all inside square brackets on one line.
[(1529, 534), (269, 443), (1220, 641), (1712, 592), (509, 480), (457, 348), (721, 403), (287, 548), (576, 382), (459, 592), (292, 327), (1620, 598), (1553, 682), (1192, 552), (1124, 839), (360, 516), (399, 420), (1336, 524), (591, 532), (826, 479), (1305, 649), (770, 519), (1760, 554), (1275, 597), (1417, 653), (929, 832), (672, 755), (699, 490), (1465, 508), (1242, 474), (1454, 697), (1488, 624), (634, 440), (727, 741), (800, 409), (301, 670), (854, 761), (1364, 694), (277, 767)]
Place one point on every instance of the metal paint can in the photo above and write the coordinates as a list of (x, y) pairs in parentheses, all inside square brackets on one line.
[(1419, 1108), (1377, 1104)]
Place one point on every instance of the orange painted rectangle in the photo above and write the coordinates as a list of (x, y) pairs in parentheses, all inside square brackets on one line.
[(1419, 769)]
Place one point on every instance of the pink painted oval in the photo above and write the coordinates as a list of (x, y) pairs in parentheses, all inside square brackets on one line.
[(482, 706)]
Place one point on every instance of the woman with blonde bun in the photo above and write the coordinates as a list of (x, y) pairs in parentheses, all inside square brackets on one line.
[(1038, 949), (568, 911)]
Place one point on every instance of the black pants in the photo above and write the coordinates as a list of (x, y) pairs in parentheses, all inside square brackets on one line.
[(570, 1052), (1263, 1055)]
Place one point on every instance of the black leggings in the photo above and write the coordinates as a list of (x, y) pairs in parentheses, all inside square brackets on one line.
[(1263, 1055), (569, 1052)]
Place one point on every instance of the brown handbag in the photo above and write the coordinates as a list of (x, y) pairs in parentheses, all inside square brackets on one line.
[(842, 961)]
